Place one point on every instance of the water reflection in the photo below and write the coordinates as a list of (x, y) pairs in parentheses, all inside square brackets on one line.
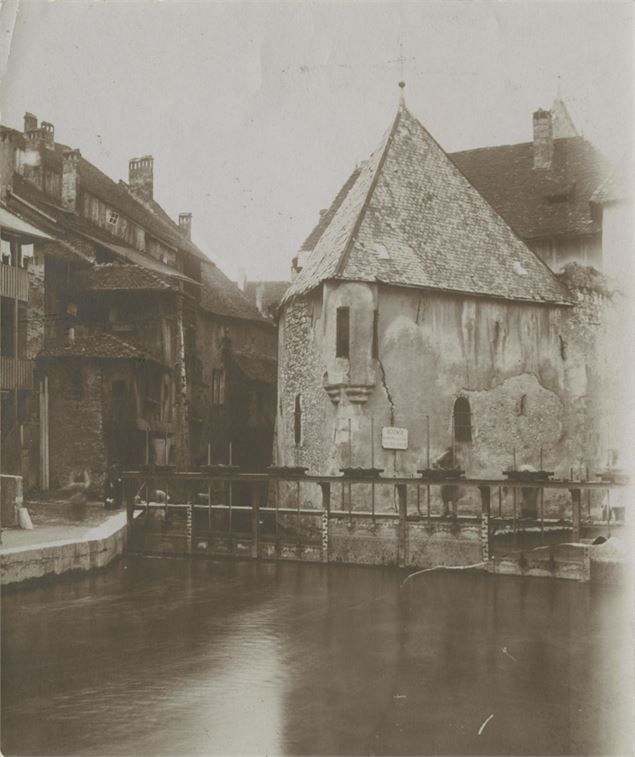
[(160, 657)]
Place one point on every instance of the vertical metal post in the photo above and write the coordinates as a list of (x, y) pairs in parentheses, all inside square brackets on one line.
[(542, 516), (514, 528), (485, 511), (418, 499), (575, 507), (326, 510), (402, 499), (255, 515), (372, 465), (428, 503), (608, 513), (500, 502), (350, 445), (209, 505)]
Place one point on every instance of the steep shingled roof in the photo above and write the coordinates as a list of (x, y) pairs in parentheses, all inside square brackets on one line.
[(113, 276), (411, 218), (538, 203), (219, 295), (256, 366), (96, 345)]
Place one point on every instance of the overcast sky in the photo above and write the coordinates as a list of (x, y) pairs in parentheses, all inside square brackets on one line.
[(257, 112)]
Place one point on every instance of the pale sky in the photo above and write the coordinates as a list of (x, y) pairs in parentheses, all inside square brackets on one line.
[(256, 113)]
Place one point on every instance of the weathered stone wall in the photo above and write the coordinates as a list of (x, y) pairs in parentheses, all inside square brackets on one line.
[(76, 440), (530, 372)]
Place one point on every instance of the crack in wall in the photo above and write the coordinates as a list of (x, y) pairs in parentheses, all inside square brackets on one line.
[(387, 390)]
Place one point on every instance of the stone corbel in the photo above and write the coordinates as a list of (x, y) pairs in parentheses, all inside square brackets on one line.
[(356, 394)]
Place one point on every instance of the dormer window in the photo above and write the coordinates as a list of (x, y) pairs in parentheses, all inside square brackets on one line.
[(113, 217)]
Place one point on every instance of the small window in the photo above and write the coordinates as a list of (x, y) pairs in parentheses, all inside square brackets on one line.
[(342, 348), (113, 217), (218, 387), (522, 405), (297, 420), (376, 334), (462, 420)]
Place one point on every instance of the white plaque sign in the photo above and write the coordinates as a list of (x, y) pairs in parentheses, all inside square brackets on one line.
[(393, 437)]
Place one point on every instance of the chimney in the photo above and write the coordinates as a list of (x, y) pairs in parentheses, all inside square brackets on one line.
[(543, 139), (47, 134), (242, 280), (141, 177), (185, 225), (70, 178), (30, 122)]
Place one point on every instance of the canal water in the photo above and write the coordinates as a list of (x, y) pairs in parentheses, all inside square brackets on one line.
[(178, 657)]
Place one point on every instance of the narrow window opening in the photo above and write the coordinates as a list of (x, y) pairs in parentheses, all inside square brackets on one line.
[(376, 334), (563, 348), (462, 420), (342, 348), (297, 420), (522, 405)]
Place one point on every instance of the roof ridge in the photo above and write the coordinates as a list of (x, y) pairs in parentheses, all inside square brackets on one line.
[(369, 194)]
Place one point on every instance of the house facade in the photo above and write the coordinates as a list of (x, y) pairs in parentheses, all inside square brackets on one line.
[(416, 306), (132, 327), (543, 188)]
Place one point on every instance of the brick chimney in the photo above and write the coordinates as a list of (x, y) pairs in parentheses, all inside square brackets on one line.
[(141, 177), (70, 178), (47, 134), (185, 224), (543, 139), (30, 122)]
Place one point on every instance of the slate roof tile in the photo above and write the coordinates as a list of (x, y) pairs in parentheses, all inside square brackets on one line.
[(96, 345), (411, 218), (538, 202)]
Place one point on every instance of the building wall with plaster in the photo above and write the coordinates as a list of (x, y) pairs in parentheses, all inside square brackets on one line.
[(531, 373)]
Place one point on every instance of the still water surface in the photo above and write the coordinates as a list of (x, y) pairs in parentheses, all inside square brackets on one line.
[(172, 657)]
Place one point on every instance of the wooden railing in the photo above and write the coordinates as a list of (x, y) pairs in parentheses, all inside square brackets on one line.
[(244, 515), (14, 282), (16, 373)]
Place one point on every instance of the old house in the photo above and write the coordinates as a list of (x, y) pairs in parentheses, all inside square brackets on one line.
[(543, 188), (415, 305), (135, 329)]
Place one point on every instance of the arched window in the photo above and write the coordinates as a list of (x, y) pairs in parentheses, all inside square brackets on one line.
[(462, 420), (297, 420)]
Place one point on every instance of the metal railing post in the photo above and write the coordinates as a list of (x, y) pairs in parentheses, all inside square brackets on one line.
[(402, 500), (485, 510), (326, 511), (255, 516)]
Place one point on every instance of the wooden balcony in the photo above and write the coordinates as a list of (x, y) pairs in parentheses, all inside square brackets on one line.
[(16, 373), (14, 283)]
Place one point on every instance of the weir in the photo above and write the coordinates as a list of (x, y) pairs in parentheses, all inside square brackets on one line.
[(243, 515)]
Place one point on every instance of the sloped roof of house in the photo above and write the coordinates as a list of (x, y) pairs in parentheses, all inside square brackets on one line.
[(617, 186), (411, 218), (96, 345), (256, 366), (538, 203), (219, 295), (117, 194), (114, 276)]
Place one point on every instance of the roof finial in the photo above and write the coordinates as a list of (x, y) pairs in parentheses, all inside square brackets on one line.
[(402, 86)]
